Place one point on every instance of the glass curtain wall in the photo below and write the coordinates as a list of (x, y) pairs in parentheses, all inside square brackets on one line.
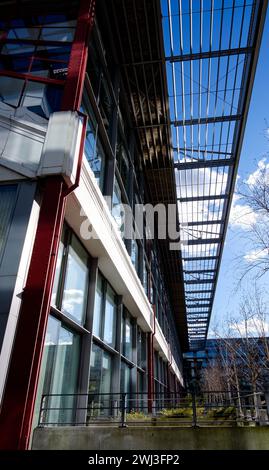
[(61, 357)]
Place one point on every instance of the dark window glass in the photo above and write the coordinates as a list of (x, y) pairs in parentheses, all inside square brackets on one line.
[(59, 372), (122, 160), (100, 371), (141, 348), (98, 307), (126, 384), (7, 204), (93, 149), (110, 318), (135, 255), (127, 337)]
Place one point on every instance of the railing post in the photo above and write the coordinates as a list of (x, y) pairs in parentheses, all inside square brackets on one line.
[(194, 411), (123, 410), (41, 410), (266, 395)]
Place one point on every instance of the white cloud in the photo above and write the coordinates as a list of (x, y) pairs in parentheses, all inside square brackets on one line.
[(255, 255), (253, 177), (242, 215), (254, 327)]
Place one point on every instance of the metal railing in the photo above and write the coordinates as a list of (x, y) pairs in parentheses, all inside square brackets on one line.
[(160, 409)]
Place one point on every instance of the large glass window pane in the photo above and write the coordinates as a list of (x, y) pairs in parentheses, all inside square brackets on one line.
[(11, 90), (7, 204), (97, 316), (57, 274), (122, 160), (76, 280), (125, 378), (128, 334), (93, 149), (106, 373), (95, 369), (100, 382), (135, 254), (110, 318), (100, 371), (117, 211), (59, 372), (141, 348)]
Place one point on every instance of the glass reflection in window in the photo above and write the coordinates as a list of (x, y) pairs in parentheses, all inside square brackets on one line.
[(76, 280)]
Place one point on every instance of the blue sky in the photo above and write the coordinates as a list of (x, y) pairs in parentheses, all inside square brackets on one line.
[(255, 147)]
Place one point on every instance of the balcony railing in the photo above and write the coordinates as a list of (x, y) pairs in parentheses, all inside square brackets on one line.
[(162, 409)]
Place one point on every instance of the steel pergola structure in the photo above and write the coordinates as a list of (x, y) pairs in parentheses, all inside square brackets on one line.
[(211, 51), (188, 68)]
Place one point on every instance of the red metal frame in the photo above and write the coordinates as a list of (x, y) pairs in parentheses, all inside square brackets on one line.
[(21, 385), (78, 58), (18, 402)]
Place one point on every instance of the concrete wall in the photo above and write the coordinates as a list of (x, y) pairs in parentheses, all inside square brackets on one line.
[(148, 438)]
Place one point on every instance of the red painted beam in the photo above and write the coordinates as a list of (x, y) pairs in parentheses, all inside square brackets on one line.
[(18, 401), (21, 385), (78, 59)]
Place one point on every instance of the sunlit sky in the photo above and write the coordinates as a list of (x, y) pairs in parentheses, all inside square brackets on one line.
[(255, 148)]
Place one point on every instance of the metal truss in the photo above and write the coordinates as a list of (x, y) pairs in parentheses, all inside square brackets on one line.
[(211, 55)]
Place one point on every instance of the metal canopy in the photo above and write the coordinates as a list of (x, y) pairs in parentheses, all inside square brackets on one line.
[(211, 50), (188, 69)]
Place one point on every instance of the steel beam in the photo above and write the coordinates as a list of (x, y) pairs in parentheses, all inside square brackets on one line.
[(194, 165), (206, 120), (203, 198), (201, 258), (204, 222), (200, 271), (193, 56), (209, 54), (209, 151), (202, 241), (203, 281)]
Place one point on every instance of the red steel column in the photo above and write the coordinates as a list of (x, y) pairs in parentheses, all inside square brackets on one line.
[(78, 57), (21, 386), (18, 402)]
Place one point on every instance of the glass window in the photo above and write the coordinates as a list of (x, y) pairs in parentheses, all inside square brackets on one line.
[(59, 372), (100, 371), (7, 204), (33, 52), (117, 210), (76, 282), (127, 338), (122, 160), (93, 148), (126, 385), (98, 307), (135, 255), (57, 273), (142, 401), (100, 382), (141, 348), (10, 90), (105, 101), (110, 318)]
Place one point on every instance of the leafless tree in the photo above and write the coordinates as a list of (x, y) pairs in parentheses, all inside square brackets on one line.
[(254, 193), (244, 348)]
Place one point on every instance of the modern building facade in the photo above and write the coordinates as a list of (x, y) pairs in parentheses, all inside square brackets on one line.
[(86, 131), (238, 363)]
